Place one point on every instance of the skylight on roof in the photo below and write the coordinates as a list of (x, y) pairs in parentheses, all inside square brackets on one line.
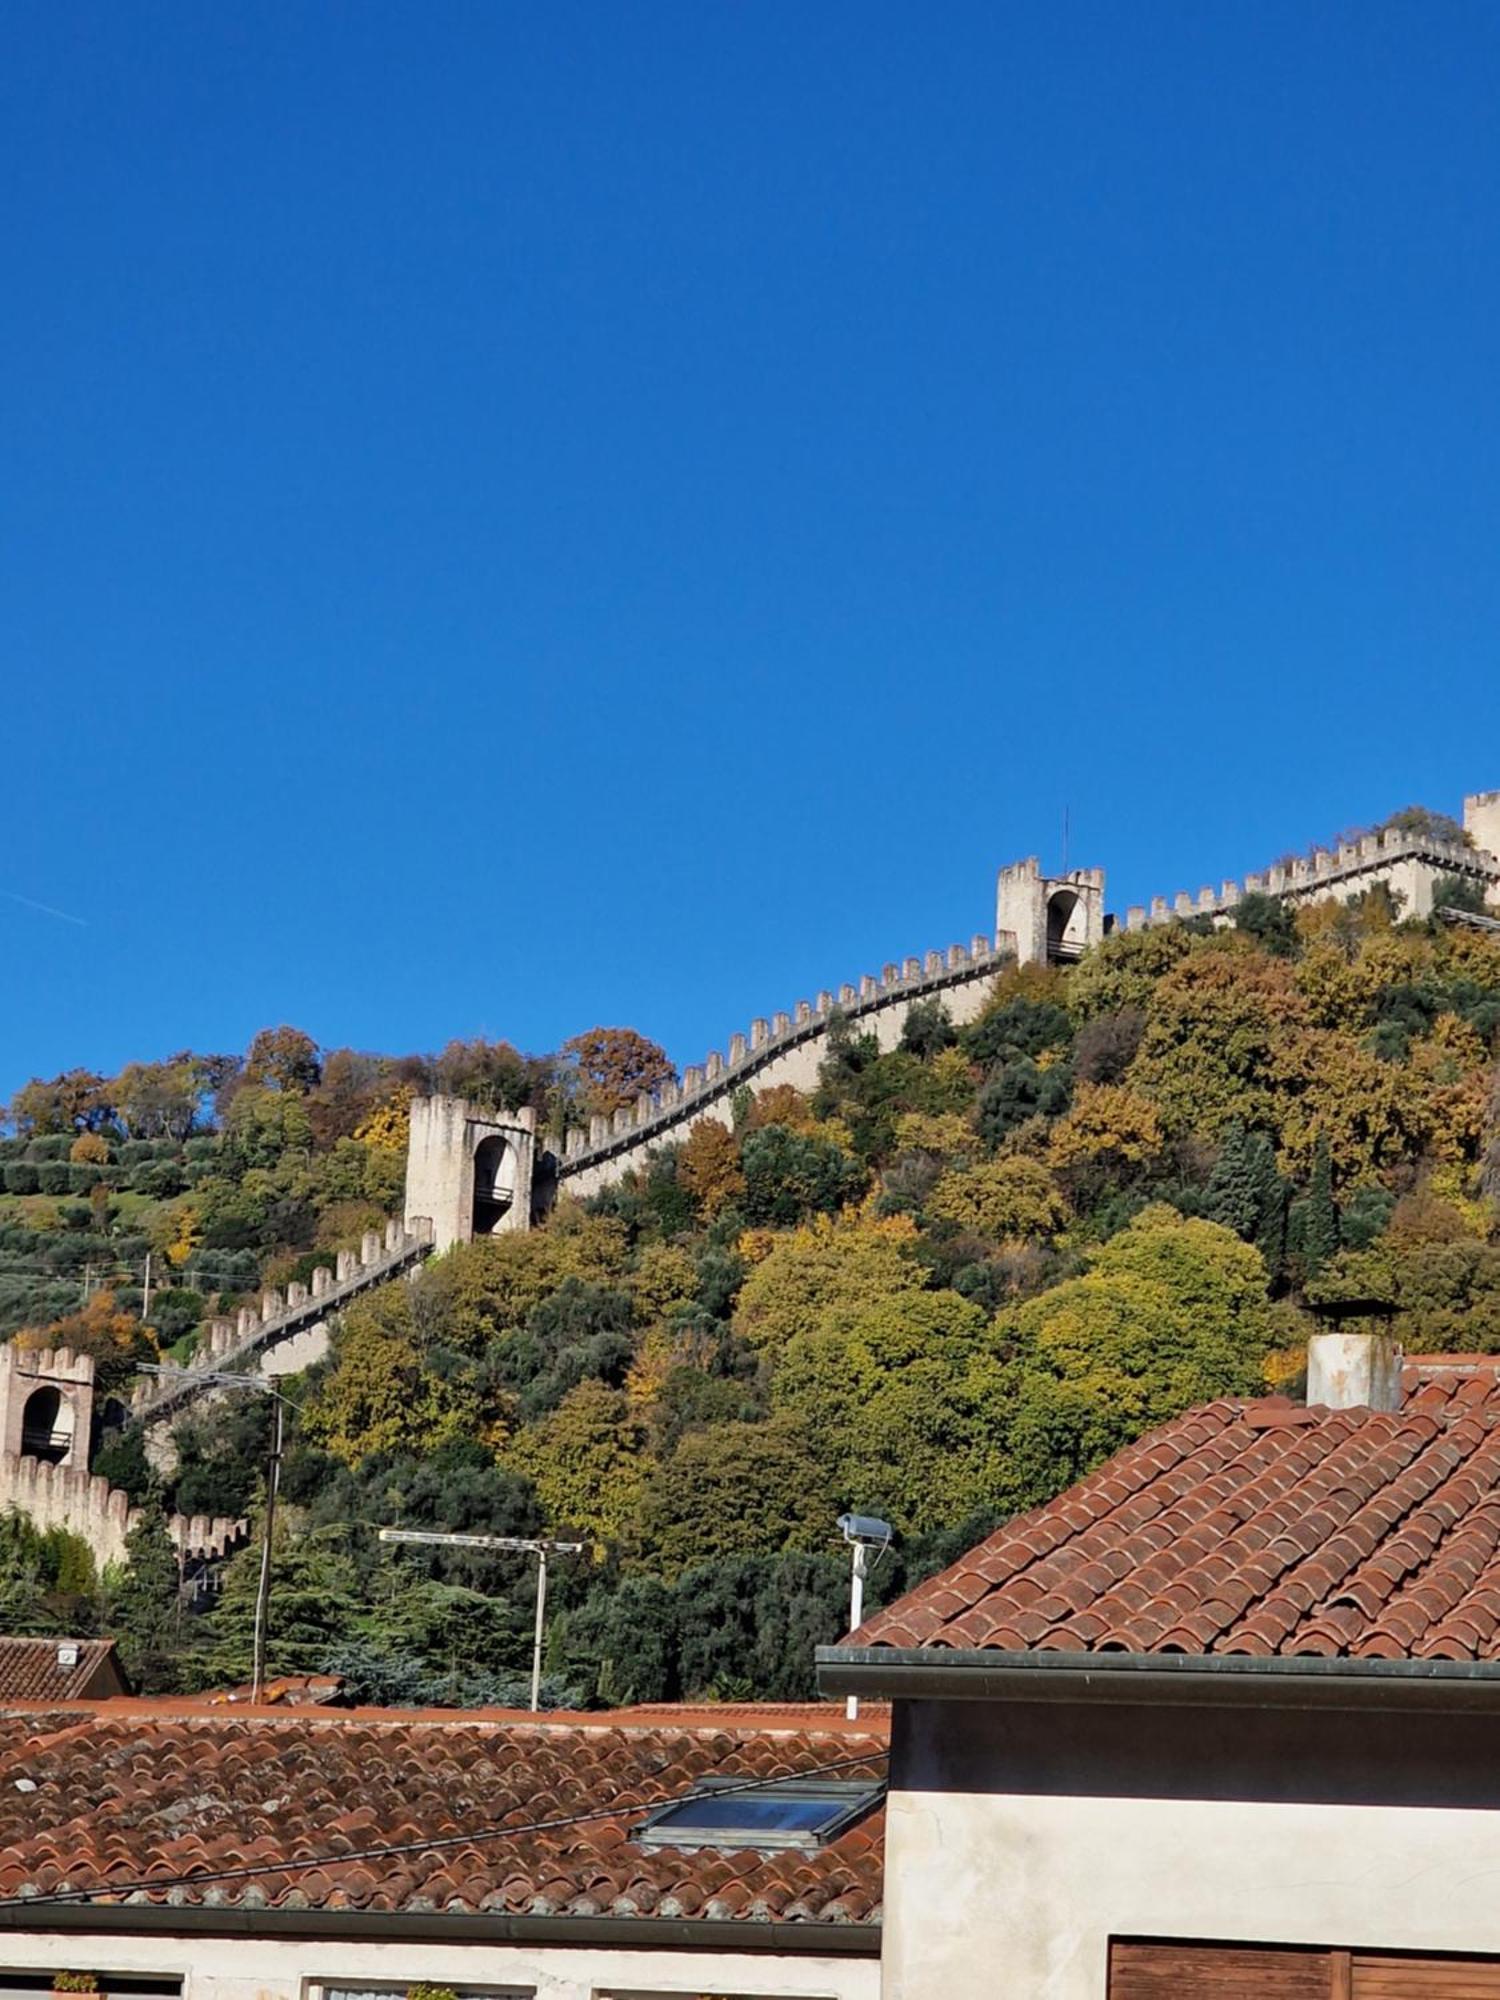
[(795, 1813)]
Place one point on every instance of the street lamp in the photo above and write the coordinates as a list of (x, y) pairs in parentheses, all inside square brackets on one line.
[(528, 1545), (223, 1378), (862, 1532)]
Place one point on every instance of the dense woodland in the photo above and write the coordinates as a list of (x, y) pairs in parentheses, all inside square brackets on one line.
[(939, 1288)]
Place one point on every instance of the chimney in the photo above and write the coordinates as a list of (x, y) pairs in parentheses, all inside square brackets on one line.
[(1352, 1371)]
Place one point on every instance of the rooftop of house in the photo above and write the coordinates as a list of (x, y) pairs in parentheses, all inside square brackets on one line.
[(1255, 1528), (59, 1669), (492, 1812)]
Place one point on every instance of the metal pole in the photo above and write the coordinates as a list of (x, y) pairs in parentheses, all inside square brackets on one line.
[(146, 1292), (856, 1613), (263, 1593), (536, 1644)]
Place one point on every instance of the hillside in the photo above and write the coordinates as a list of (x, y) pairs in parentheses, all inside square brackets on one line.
[(937, 1288)]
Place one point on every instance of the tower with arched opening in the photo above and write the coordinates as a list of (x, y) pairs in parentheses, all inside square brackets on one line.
[(469, 1172), (1053, 918), (46, 1405)]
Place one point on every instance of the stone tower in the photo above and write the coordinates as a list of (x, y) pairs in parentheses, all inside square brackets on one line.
[(1482, 821), (1053, 918), (469, 1172), (46, 1405)]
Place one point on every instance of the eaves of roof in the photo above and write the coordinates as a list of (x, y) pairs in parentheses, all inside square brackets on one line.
[(1285, 1681), (803, 1939)]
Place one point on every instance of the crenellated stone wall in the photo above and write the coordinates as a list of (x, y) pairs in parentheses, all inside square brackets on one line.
[(782, 1049), (1410, 865), (66, 1494), (288, 1328)]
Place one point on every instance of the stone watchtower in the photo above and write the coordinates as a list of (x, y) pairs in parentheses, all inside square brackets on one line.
[(46, 1405), (469, 1172), (1053, 918)]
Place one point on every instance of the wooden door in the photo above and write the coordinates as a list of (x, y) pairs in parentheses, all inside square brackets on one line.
[(1144, 1971), (1206, 1971), (1389, 1976)]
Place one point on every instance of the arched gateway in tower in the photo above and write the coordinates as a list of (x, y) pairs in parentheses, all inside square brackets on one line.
[(469, 1172)]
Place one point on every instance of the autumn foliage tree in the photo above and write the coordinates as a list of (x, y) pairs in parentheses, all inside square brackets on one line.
[(615, 1065)]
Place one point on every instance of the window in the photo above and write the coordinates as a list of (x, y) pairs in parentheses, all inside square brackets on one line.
[(18, 1985), (403, 1987), (797, 1813)]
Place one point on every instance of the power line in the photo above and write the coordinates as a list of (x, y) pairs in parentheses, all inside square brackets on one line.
[(294, 1865)]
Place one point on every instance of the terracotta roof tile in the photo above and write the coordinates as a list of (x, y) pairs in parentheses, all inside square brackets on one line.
[(59, 1669), (145, 1791), (1254, 1528)]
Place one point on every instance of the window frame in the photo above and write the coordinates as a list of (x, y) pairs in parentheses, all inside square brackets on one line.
[(670, 1825)]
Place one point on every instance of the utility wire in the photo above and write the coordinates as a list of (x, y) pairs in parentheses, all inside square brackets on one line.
[(294, 1865)]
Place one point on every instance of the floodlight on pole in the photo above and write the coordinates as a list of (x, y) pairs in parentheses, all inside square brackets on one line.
[(534, 1545), (226, 1378), (862, 1532)]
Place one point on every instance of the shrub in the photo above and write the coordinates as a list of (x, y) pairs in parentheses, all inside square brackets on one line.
[(21, 1177), (53, 1177)]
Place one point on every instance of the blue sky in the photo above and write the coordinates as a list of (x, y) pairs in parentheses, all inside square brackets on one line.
[(516, 517)]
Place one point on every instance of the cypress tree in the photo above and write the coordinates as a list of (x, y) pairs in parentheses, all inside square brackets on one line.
[(1320, 1219), (1232, 1193), (144, 1615), (1271, 1199)]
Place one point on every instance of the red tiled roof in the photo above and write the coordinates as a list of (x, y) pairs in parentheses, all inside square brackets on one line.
[(132, 1791), (1257, 1528), (39, 1669)]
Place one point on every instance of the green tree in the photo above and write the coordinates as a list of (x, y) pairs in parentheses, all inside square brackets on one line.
[(314, 1606), (586, 1459), (824, 1273), (901, 1403), (1173, 1311), (1269, 920), (145, 1608), (1316, 1217), (380, 1395), (789, 1175), (1233, 1197), (1013, 1197), (735, 1488)]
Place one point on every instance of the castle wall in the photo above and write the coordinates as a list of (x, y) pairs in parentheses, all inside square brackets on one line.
[(66, 1495), (1410, 865), (789, 1049), (281, 1335)]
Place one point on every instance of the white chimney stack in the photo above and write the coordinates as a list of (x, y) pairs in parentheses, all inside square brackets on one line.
[(1353, 1371)]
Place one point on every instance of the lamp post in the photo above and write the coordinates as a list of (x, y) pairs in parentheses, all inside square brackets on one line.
[(223, 1378), (862, 1532), (534, 1545)]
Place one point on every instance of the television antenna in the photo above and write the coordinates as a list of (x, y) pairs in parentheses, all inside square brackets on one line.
[(535, 1545)]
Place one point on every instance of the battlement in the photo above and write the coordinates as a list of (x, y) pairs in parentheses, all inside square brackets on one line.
[(50, 1364), (86, 1505), (280, 1318), (1409, 862), (769, 1038)]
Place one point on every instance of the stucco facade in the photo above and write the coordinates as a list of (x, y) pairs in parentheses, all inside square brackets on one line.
[(257, 1967), (1022, 1837)]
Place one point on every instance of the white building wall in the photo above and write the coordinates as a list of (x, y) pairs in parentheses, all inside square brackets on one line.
[(251, 1968), (1021, 1839)]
